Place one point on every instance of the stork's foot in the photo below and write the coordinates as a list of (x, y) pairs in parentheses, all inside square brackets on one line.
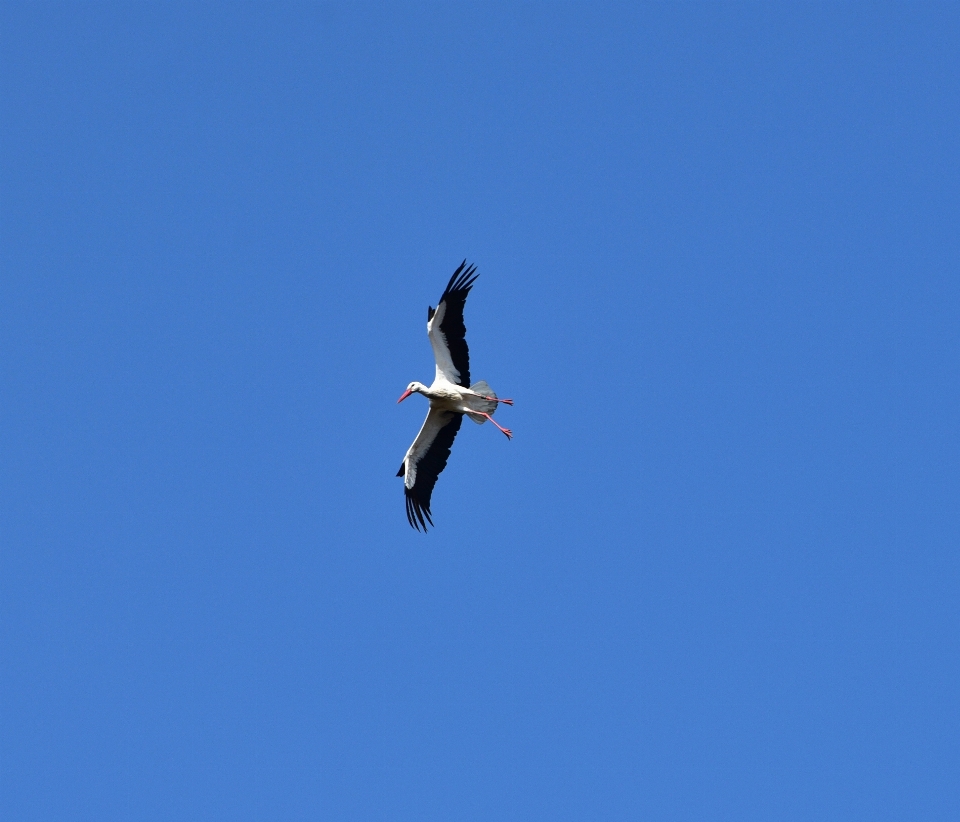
[(496, 399), (508, 432)]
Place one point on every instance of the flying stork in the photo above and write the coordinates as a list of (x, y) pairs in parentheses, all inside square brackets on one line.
[(451, 397)]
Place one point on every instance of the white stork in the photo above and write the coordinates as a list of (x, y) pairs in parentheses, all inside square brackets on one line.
[(451, 396)]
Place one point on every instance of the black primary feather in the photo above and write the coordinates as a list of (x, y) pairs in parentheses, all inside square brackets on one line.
[(428, 469), (455, 296)]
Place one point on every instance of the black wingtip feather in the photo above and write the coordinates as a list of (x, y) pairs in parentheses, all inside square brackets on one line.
[(418, 513), (461, 281)]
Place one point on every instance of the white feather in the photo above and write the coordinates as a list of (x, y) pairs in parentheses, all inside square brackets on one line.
[(441, 352)]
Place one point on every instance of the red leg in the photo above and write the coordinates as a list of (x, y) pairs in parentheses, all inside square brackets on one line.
[(506, 431), (495, 399)]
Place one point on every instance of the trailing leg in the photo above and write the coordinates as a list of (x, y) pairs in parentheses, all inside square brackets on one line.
[(506, 431)]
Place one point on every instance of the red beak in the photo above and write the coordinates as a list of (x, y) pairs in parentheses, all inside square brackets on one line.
[(404, 396)]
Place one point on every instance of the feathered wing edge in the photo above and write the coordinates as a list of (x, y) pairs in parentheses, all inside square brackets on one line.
[(452, 326), (429, 467)]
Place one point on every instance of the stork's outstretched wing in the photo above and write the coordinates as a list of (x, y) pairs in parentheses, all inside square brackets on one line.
[(424, 461), (446, 330)]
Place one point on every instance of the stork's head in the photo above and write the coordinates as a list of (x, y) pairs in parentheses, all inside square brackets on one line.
[(413, 387)]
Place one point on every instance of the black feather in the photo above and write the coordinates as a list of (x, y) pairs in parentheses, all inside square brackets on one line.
[(428, 469), (455, 296), (430, 313)]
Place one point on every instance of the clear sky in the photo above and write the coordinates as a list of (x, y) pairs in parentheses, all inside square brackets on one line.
[(715, 574)]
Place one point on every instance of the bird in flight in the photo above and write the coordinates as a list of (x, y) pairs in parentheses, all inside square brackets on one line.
[(451, 397)]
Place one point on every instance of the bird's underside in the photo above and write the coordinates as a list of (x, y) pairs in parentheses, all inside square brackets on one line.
[(451, 398)]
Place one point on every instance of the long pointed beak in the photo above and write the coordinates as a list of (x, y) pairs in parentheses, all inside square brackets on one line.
[(404, 396)]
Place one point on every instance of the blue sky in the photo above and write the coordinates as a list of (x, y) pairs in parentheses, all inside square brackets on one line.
[(715, 574)]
